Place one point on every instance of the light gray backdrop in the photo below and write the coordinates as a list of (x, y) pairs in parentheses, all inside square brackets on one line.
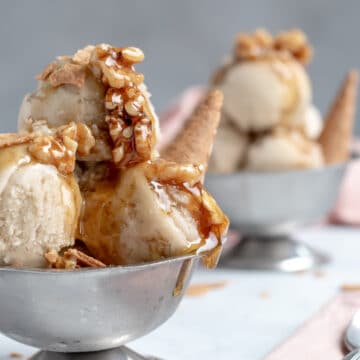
[(183, 40)]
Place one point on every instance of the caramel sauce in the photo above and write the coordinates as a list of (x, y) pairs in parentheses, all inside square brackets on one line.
[(48, 150), (14, 155), (211, 222), (286, 73), (128, 112), (102, 222)]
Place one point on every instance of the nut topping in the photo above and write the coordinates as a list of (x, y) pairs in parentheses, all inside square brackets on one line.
[(261, 44), (60, 148)]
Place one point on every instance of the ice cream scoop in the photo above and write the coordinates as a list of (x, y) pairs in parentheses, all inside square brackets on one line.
[(283, 149), (261, 94), (151, 211), (99, 87), (61, 104), (312, 123), (229, 151), (265, 83), (39, 205)]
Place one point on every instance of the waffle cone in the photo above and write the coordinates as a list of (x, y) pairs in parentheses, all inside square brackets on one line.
[(335, 138), (12, 139), (194, 142)]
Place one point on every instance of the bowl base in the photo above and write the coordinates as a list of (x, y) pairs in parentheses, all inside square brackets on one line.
[(120, 353), (278, 252)]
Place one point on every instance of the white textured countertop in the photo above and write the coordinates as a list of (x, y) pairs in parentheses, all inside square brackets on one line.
[(254, 312)]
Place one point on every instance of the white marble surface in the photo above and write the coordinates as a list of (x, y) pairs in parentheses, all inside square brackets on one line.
[(236, 322)]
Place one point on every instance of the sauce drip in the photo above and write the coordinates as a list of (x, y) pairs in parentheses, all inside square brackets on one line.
[(128, 112), (211, 222)]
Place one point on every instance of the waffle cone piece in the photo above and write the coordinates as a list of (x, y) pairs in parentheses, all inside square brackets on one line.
[(335, 139), (12, 139), (194, 142)]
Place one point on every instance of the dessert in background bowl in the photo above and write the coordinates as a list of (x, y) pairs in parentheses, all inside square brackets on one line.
[(276, 164), (268, 110)]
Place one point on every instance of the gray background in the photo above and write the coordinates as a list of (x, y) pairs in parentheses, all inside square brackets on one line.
[(183, 40)]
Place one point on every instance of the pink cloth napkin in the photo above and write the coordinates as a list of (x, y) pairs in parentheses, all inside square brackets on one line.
[(321, 337), (347, 209)]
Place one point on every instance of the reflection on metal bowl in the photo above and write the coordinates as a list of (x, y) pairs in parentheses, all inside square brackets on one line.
[(90, 309), (267, 207)]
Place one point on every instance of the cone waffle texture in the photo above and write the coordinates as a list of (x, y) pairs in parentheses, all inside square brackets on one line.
[(335, 139), (194, 142)]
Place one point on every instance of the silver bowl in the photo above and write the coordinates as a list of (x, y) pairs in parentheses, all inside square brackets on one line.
[(266, 207), (91, 309)]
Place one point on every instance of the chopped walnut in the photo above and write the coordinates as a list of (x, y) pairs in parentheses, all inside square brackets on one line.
[(142, 137), (295, 42), (260, 44), (117, 65), (133, 55), (129, 121), (251, 46), (85, 139), (48, 150), (60, 148), (71, 259), (129, 127), (129, 115), (173, 173)]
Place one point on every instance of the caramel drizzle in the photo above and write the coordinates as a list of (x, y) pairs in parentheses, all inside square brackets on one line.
[(128, 113), (210, 220)]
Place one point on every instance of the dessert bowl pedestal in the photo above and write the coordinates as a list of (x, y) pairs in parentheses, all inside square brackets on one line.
[(120, 353), (267, 208), (91, 313)]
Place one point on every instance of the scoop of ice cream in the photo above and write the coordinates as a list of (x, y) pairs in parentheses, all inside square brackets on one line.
[(283, 150), (63, 104), (261, 94), (229, 149), (39, 208), (313, 123), (99, 87), (135, 216)]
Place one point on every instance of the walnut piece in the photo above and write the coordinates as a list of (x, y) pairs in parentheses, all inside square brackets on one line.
[(260, 44), (60, 148), (71, 259)]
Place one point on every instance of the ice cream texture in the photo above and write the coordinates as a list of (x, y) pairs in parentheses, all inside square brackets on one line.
[(93, 174), (267, 92), (39, 204), (150, 211)]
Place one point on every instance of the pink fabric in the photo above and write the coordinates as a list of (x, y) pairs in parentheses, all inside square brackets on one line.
[(322, 336), (347, 209)]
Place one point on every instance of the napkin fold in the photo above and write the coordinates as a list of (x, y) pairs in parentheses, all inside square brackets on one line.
[(347, 208), (321, 337)]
